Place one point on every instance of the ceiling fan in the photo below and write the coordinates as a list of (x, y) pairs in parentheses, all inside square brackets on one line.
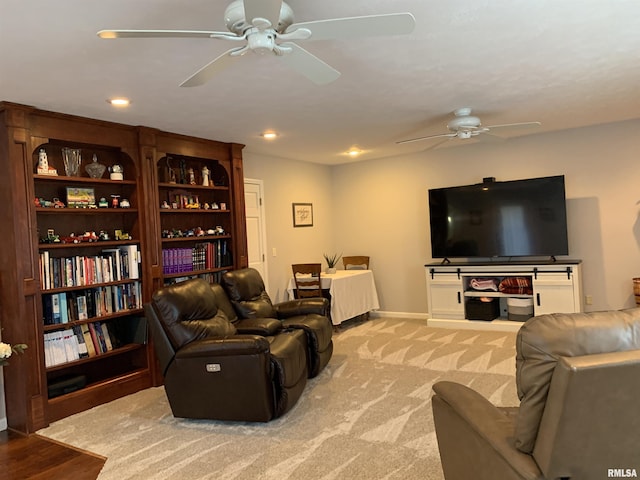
[(266, 26), (464, 126)]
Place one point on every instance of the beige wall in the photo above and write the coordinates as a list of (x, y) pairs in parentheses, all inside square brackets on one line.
[(287, 182), (379, 208)]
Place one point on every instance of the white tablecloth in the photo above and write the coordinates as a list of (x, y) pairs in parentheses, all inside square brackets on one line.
[(353, 292)]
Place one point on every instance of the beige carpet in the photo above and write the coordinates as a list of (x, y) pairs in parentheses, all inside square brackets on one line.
[(366, 416)]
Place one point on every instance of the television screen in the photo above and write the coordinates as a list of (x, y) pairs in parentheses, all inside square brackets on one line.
[(500, 219)]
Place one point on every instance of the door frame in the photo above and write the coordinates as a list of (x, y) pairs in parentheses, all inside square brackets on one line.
[(263, 240)]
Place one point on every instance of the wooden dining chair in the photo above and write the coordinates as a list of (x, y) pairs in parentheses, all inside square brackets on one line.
[(307, 279), (359, 262)]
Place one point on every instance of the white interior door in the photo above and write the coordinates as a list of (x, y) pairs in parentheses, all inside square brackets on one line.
[(256, 233)]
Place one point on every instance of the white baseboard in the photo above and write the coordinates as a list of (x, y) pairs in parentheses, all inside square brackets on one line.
[(382, 313), (495, 325)]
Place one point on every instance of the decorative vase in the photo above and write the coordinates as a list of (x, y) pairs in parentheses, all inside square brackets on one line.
[(72, 159), (331, 270), (95, 169)]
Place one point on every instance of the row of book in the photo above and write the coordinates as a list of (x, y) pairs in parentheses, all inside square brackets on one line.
[(95, 302), (202, 256), (81, 341), (112, 264), (213, 277)]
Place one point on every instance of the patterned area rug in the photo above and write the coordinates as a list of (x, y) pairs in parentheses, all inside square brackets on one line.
[(366, 416)]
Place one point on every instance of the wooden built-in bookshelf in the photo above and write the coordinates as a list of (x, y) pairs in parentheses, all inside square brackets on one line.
[(55, 253)]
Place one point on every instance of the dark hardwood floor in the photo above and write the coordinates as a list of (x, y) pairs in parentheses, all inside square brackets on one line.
[(36, 457)]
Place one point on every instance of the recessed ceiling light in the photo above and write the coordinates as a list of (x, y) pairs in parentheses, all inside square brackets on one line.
[(119, 102), (269, 135)]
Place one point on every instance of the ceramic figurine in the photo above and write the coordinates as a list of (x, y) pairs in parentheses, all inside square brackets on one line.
[(43, 164), (116, 172), (103, 203), (192, 177), (205, 176)]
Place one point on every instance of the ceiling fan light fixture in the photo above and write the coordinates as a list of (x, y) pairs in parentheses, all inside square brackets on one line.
[(119, 102), (354, 152)]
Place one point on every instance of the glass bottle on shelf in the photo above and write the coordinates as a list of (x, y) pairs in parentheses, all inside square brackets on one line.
[(95, 169)]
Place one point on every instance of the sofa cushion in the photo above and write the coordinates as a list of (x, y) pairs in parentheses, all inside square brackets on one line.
[(223, 302), (542, 340), (189, 311)]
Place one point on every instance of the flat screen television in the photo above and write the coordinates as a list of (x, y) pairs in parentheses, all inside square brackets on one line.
[(516, 218)]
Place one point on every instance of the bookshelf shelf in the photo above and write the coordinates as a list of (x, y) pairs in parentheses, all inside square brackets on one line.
[(81, 180), (103, 318), (104, 243), (195, 272), (86, 211), (173, 211), (100, 356), (200, 239), (186, 186), (89, 286)]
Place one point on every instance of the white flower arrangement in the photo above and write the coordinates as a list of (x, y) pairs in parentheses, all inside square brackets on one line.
[(7, 350)]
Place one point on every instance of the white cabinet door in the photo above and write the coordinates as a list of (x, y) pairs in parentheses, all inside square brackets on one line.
[(555, 293), (446, 299)]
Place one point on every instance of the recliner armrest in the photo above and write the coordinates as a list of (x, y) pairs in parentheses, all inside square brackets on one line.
[(259, 326), (470, 427), (225, 346), (291, 308)]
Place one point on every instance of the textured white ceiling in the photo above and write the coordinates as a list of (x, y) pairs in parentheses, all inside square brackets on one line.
[(565, 63)]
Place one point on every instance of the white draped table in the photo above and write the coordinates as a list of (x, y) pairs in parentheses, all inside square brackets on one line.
[(353, 293)]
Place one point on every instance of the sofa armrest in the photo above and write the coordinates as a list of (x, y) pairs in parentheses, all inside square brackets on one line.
[(305, 306), (476, 438), (265, 327), (225, 346)]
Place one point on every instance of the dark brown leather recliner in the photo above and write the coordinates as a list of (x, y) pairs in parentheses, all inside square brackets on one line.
[(210, 369), (250, 300), (578, 380)]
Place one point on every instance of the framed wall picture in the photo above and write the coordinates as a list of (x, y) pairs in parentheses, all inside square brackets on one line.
[(302, 214)]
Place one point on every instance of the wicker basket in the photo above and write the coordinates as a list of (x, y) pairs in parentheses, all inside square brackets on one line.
[(636, 290)]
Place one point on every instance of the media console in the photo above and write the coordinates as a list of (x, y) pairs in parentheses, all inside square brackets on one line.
[(556, 287)]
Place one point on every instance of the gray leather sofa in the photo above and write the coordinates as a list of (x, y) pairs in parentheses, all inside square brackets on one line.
[(578, 381)]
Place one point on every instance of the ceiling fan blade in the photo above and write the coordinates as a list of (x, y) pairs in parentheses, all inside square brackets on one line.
[(163, 34), (486, 137), (210, 70), (355, 27), (419, 139), (516, 125), (309, 65), (438, 144), (269, 9)]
